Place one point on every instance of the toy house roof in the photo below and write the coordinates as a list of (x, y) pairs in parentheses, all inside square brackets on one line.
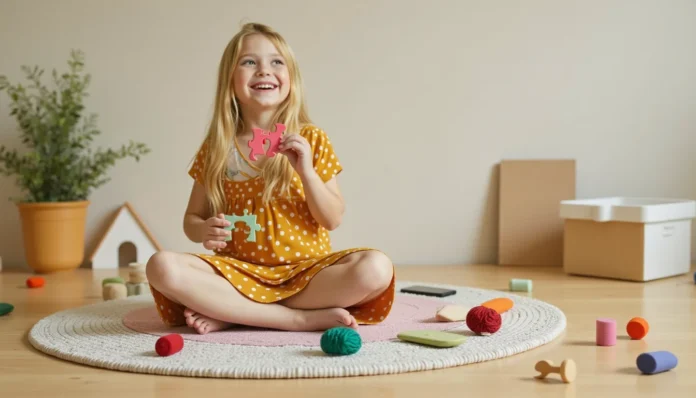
[(126, 207)]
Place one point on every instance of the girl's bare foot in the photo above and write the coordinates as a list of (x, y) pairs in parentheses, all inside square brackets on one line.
[(313, 320), (203, 324)]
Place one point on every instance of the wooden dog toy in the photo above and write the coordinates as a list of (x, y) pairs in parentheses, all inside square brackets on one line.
[(637, 328), (656, 362), (606, 332), (249, 220), (567, 370), (114, 291), (520, 285), (260, 138), (169, 344), (35, 282), (452, 313), (500, 305)]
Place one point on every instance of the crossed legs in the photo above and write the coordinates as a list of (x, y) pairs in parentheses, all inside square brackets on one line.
[(212, 303)]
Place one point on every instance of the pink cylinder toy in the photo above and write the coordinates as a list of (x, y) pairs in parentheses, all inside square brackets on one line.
[(606, 332)]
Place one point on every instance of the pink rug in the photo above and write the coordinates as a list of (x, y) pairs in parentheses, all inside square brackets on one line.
[(408, 313)]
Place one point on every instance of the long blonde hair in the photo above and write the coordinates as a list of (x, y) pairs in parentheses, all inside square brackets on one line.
[(227, 121)]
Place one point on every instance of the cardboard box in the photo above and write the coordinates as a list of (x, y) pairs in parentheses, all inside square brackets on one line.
[(529, 230), (637, 239)]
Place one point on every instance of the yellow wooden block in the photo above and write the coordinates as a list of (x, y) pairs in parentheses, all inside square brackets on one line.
[(452, 313)]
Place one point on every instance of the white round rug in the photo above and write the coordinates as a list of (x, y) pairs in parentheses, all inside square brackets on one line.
[(95, 335)]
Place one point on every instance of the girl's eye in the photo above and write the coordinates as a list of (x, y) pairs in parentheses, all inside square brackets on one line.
[(278, 62), (247, 62)]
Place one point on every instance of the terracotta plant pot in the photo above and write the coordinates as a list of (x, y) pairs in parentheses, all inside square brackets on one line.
[(54, 234)]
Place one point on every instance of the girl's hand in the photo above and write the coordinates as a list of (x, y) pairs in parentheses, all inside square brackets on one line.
[(214, 234), (298, 151)]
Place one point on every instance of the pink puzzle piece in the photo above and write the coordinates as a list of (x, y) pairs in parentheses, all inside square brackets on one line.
[(260, 138)]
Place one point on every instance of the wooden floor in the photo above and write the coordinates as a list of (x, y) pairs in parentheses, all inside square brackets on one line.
[(669, 305)]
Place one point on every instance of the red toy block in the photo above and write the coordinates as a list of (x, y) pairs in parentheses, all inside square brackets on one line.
[(35, 281), (169, 344)]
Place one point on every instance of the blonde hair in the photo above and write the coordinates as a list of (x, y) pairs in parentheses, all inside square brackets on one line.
[(227, 121)]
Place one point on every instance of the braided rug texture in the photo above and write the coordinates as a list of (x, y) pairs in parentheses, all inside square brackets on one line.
[(95, 335)]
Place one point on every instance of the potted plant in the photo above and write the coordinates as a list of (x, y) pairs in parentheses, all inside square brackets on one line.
[(58, 170)]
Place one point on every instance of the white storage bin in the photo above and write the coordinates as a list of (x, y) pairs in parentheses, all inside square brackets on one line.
[(638, 239)]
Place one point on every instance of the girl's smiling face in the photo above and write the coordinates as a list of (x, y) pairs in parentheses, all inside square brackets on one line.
[(261, 79)]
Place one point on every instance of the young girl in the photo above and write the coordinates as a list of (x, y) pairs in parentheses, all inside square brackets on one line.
[(288, 277)]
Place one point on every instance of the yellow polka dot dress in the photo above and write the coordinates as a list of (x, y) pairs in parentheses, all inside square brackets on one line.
[(290, 247)]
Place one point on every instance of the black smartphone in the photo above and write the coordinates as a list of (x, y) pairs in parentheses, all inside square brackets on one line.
[(429, 291)]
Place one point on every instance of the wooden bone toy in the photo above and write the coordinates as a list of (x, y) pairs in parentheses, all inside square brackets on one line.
[(567, 370)]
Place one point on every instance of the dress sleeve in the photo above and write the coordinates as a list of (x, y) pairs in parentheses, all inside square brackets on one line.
[(324, 158), (198, 167)]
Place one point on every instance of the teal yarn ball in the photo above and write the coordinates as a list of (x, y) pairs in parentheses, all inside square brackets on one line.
[(341, 341)]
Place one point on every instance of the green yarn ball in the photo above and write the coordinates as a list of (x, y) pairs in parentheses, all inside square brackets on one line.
[(341, 341), (116, 279), (6, 308)]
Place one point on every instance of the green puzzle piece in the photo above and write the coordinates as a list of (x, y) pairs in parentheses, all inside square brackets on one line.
[(248, 219)]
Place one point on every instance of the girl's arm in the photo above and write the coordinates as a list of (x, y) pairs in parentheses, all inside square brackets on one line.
[(324, 200), (199, 227)]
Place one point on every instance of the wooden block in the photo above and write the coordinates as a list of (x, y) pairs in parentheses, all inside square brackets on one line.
[(530, 229), (114, 291), (452, 313), (137, 277)]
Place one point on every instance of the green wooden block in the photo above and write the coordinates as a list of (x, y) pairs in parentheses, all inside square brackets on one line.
[(116, 279), (6, 308)]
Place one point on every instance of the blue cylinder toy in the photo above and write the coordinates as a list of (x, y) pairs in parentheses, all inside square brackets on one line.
[(656, 362)]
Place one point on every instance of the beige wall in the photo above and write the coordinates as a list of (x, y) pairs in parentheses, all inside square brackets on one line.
[(438, 93)]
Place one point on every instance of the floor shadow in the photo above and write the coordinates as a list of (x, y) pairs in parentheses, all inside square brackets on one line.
[(633, 371), (548, 380), (315, 353), (581, 343), (434, 320), (149, 354)]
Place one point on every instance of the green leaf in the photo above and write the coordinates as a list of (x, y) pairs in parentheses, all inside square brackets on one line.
[(59, 164)]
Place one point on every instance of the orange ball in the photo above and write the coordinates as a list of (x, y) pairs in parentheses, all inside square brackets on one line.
[(637, 328), (35, 281)]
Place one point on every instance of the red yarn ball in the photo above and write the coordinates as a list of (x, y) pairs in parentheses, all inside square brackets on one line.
[(483, 320)]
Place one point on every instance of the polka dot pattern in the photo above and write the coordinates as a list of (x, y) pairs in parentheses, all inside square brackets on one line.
[(291, 247)]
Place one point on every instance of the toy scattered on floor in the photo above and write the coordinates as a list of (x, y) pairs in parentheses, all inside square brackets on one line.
[(520, 285), (115, 279), (114, 291), (482, 320), (35, 282), (606, 332), (6, 308), (434, 338), (568, 370), (137, 280), (260, 137), (452, 313), (341, 341), (500, 305), (249, 220), (169, 344), (637, 328), (656, 362)]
